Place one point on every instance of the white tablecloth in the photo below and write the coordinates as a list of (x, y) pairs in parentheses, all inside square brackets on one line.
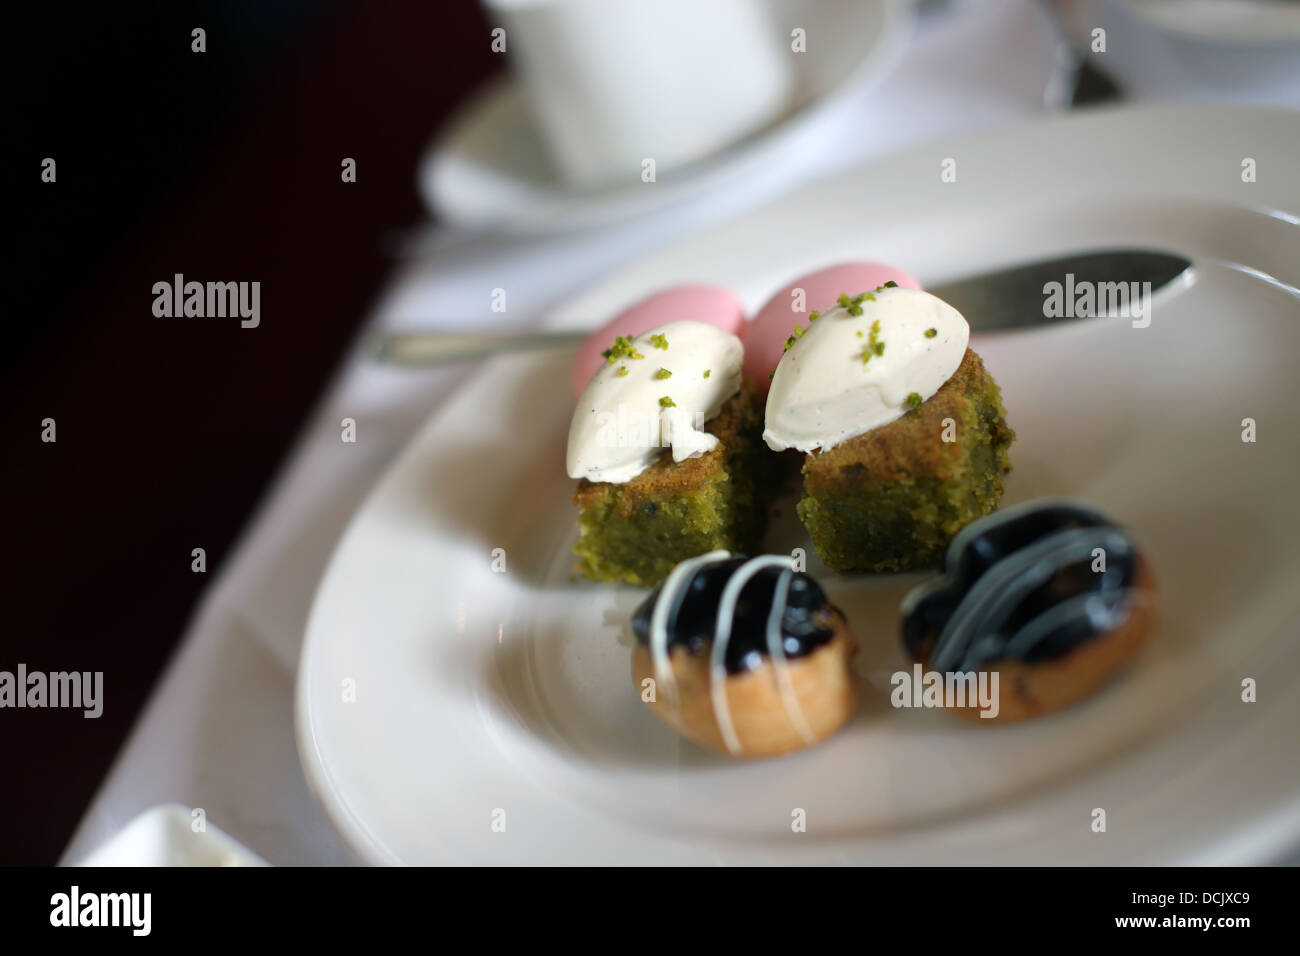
[(218, 732)]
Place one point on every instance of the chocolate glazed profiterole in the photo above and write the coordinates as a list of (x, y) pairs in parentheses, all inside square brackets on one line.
[(747, 655), (1052, 595)]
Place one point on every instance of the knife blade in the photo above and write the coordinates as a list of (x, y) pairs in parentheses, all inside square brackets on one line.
[(1012, 298), (1017, 297)]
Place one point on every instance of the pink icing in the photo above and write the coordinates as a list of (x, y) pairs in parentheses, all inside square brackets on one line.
[(697, 303), (765, 337)]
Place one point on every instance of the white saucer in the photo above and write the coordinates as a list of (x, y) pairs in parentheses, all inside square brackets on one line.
[(489, 169), (482, 698)]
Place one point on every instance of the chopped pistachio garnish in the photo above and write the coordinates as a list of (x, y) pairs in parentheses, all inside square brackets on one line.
[(814, 315), (622, 348), (667, 402), (798, 334), (931, 333), (874, 345), (663, 373), (659, 341), (891, 284), (854, 304), (914, 400), (771, 375), (622, 371), (708, 372)]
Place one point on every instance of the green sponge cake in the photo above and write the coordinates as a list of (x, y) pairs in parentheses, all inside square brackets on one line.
[(904, 429), (892, 499), (637, 531), (667, 446)]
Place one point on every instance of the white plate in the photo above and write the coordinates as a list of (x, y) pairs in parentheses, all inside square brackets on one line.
[(489, 168), (478, 692)]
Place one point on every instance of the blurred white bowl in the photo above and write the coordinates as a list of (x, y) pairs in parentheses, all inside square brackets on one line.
[(489, 169)]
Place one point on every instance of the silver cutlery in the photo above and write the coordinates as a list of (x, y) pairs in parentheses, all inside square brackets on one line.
[(995, 301)]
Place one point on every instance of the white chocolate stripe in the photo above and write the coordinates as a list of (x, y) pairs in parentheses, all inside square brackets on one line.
[(722, 636), (780, 663), (1099, 607), (667, 605), (1011, 578)]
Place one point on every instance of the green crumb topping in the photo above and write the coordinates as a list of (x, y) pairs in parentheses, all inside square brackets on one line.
[(659, 341), (859, 333), (622, 348), (663, 373), (708, 372), (771, 375), (891, 284), (854, 304), (931, 333), (667, 402), (874, 345), (914, 400), (622, 371), (814, 315), (798, 334)]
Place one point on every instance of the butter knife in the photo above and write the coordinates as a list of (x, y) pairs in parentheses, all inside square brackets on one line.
[(1013, 298)]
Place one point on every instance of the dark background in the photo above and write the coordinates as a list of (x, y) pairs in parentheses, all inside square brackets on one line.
[(224, 166)]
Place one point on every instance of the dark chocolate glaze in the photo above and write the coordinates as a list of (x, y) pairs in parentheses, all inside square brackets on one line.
[(1019, 585), (807, 621)]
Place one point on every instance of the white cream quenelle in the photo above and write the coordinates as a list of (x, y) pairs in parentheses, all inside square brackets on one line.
[(848, 374), (635, 407)]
